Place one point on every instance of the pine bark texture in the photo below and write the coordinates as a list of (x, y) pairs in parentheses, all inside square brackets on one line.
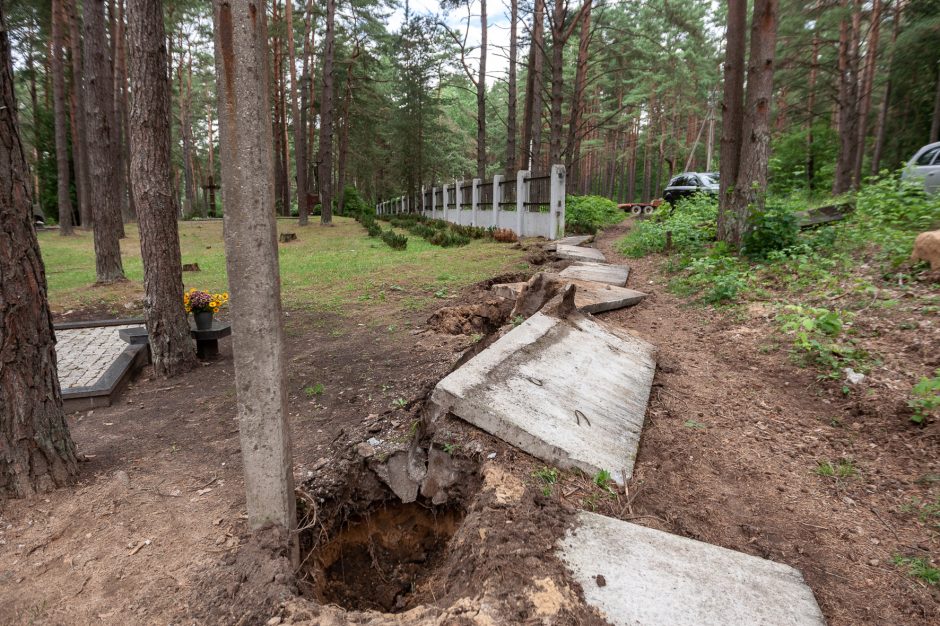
[(61, 124), (171, 346), (326, 118), (512, 91), (751, 185), (241, 52), (36, 449), (296, 120), (532, 114), (481, 97), (79, 136), (103, 171), (848, 102), (732, 107)]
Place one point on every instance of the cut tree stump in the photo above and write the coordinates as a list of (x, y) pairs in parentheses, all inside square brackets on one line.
[(287, 237)]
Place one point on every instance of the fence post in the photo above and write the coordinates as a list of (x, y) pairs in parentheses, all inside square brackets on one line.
[(444, 199), (497, 198), (556, 195), (458, 199), (522, 196), (474, 200), (433, 202)]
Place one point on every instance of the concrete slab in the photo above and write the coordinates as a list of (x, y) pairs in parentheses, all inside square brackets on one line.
[(590, 297), (574, 240), (579, 253), (657, 579), (569, 392), (615, 275)]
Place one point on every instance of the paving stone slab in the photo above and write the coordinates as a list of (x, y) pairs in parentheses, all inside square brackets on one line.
[(574, 240), (570, 392), (590, 297), (579, 253), (615, 275), (657, 579)]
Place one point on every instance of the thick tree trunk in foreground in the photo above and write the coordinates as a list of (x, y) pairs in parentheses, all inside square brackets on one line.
[(732, 107), (241, 52), (61, 127), (103, 171), (171, 346), (751, 186), (326, 119), (36, 450)]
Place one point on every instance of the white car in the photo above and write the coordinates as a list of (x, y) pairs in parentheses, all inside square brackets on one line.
[(925, 166)]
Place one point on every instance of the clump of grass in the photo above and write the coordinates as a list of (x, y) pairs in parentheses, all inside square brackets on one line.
[(314, 390), (919, 568), (843, 468)]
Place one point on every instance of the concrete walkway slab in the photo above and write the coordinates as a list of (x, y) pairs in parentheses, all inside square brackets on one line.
[(569, 392), (656, 579), (590, 297), (574, 240), (579, 253), (615, 275)]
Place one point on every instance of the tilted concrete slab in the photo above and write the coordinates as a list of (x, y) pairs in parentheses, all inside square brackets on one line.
[(590, 297), (579, 253), (615, 275), (574, 240), (657, 579), (569, 392)]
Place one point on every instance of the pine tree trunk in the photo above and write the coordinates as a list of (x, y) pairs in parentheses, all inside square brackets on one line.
[(171, 346), (935, 122), (79, 135), (102, 168), (326, 118), (557, 93), (848, 102), (577, 100), (751, 185), (296, 119), (532, 114), (732, 111), (302, 145), (882, 122), (119, 67), (61, 124), (189, 192), (481, 97), (811, 118), (868, 82), (241, 52), (510, 169), (36, 449)]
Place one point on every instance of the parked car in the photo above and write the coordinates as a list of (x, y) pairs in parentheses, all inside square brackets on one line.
[(689, 183), (925, 166)]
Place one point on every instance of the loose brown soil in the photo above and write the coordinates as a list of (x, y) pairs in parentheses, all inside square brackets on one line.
[(154, 532)]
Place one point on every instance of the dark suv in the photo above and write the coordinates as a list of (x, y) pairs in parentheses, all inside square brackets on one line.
[(690, 183)]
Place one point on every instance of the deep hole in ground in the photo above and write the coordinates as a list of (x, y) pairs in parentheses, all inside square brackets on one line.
[(380, 559)]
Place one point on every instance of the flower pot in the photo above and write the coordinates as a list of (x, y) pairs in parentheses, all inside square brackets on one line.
[(203, 320)]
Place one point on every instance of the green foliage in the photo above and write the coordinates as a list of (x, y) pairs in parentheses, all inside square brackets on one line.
[(718, 278), (547, 474), (789, 172), (394, 240), (925, 397), (602, 479), (843, 468), (586, 214), (818, 339), (919, 568), (314, 390), (691, 224), (771, 229)]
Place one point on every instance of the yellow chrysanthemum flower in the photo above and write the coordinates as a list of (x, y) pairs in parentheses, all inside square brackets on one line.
[(213, 304)]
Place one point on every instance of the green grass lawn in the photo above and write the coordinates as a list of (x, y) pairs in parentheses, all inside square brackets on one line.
[(328, 268)]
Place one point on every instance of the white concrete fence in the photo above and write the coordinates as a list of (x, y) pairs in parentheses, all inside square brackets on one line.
[(532, 207)]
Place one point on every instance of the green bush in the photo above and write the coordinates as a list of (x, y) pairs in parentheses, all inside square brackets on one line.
[(586, 214), (691, 222), (394, 240), (774, 228)]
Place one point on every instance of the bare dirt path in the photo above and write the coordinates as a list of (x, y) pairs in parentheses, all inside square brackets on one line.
[(732, 439)]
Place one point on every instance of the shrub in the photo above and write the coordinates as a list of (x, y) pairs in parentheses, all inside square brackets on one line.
[(394, 240), (586, 214), (691, 222), (774, 228)]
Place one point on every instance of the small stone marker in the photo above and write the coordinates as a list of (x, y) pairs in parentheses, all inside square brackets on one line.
[(589, 298), (579, 253), (567, 391), (615, 275), (657, 579)]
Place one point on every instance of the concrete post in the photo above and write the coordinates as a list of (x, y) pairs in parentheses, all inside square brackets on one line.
[(556, 228), (433, 203), (522, 196), (458, 199), (474, 200), (497, 198), (424, 200), (444, 200)]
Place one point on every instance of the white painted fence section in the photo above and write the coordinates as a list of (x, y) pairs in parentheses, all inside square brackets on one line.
[(533, 207)]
